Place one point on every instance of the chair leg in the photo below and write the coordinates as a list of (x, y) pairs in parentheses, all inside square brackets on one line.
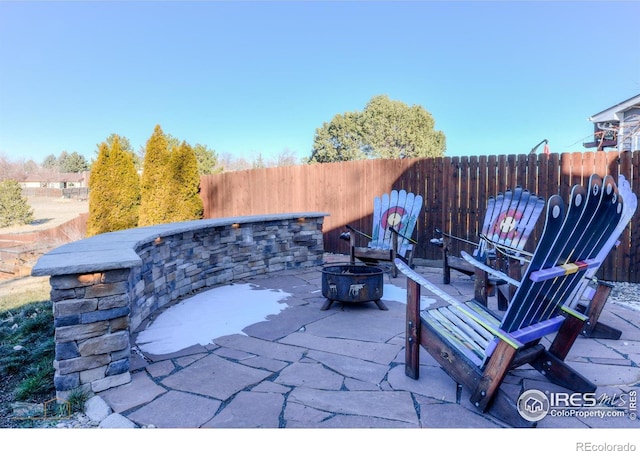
[(352, 246), (551, 362), (600, 330), (480, 287), (412, 340), (488, 395), (446, 269), (566, 336), (559, 373), (593, 328), (503, 294), (394, 252), (410, 259), (493, 375)]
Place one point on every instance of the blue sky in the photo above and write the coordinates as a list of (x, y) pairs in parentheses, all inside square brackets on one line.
[(259, 77)]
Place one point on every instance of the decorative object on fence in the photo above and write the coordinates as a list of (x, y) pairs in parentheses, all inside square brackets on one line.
[(509, 220), (477, 349), (545, 149), (394, 220)]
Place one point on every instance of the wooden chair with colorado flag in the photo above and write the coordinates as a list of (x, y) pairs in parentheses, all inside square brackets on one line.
[(509, 221), (395, 216)]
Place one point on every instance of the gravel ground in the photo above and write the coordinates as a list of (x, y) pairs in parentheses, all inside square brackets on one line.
[(626, 293)]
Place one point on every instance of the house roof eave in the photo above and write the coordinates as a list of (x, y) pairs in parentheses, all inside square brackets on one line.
[(611, 114)]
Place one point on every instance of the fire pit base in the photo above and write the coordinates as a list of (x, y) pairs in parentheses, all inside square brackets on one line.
[(352, 283)]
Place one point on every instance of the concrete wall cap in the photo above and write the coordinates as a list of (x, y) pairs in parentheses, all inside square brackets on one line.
[(117, 250)]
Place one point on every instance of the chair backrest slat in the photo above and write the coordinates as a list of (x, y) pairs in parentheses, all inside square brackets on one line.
[(510, 219), (629, 209), (591, 218), (399, 209)]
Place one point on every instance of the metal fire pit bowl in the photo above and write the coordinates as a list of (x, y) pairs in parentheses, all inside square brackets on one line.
[(353, 283)]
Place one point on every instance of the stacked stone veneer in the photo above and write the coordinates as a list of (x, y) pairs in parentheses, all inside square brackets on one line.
[(104, 287)]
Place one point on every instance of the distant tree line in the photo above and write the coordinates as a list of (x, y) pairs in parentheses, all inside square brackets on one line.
[(160, 182), (384, 129), (66, 162)]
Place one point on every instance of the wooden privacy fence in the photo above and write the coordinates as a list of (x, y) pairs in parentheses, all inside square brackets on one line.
[(455, 191)]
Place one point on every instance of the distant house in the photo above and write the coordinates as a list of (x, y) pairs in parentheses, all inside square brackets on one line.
[(617, 127), (59, 180)]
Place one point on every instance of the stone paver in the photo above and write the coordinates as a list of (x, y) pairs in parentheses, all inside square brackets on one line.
[(261, 347), (433, 383), (162, 368), (351, 367), (176, 409), (312, 375), (97, 409), (250, 410), (297, 415), (265, 363), (382, 404), (361, 322), (602, 374), (372, 352), (117, 421), (288, 321), (216, 377), (435, 414), (344, 368), (141, 390)]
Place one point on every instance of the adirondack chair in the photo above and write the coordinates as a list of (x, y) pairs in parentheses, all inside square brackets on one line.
[(394, 220), (594, 292), (509, 220), (477, 348)]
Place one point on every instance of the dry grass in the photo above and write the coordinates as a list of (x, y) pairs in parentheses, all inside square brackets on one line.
[(26, 345), (15, 293)]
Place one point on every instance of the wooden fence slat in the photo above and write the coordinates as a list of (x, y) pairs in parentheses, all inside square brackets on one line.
[(565, 175), (522, 169), (634, 226), (502, 173), (475, 209), (455, 191), (512, 171), (463, 206)]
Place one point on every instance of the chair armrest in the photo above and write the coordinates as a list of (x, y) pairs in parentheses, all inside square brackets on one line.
[(358, 232), (570, 311), (567, 268), (496, 331), (489, 270), (411, 240), (437, 242), (509, 251), (457, 238)]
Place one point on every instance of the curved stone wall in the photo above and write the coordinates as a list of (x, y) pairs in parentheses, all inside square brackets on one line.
[(104, 287)]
